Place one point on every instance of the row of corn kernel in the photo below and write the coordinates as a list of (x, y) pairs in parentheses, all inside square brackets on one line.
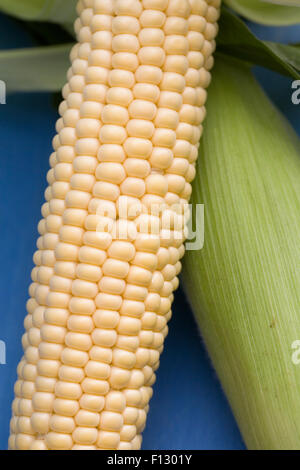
[(124, 342), (156, 178), (136, 374), (160, 158), (138, 377), (156, 182), (56, 423), (143, 110), (44, 258), (74, 337), (26, 388), (202, 19), (202, 30)]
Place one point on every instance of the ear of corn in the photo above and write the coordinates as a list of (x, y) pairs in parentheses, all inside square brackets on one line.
[(99, 303), (244, 284)]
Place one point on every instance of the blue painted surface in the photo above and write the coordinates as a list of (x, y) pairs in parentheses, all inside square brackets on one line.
[(189, 410)]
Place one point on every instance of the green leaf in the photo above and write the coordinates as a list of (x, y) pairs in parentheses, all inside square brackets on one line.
[(263, 12), (35, 69), (244, 285), (288, 53), (235, 39), (287, 3), (57, 11)]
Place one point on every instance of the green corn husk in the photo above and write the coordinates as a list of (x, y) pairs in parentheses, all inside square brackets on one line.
[(244, 285), (35, 68), (57, 11), (269, 12)]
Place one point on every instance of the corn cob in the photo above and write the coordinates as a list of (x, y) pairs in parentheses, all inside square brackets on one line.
[(127, 141)]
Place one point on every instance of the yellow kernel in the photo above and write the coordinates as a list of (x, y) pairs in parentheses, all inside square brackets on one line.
[(108, 440), (43, 401), (81, 288), (23, 441), (100, 22), (62, 424), (97, 370), (87, 419), (71, 374), (106, 318), (172, 81), (134, 187), (156, 184), (151, 37), (125, 25), (100, 354), (59, 441), (124, 359), (179, 8), (138, 147), (151, 55), (164, 138), (149, 74), (74, 358), (102, 40), (133, 292), (68, 390), (115, 401), (155, 4), (121, 78), (142, 109), (125, 43), (88, 272), (130, 7), (137, 168), (92, 402), (105, 338), (146, 91), (78, 341), (82, 306), (152, 18), (175, 25), (105, 190), (48, 351), (114, 114), (121, 250), (111, 152), (110, 172), (161, 158), (112, 134), (85, 436), (65, 407), (112, 285), (130, 415), (128, 433), (40, 422), (140, 128), (119, 96)]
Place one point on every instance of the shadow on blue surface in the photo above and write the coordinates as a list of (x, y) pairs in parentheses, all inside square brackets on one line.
[(189, 410)]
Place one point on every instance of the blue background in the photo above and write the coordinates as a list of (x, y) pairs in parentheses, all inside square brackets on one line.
[(189, 409)]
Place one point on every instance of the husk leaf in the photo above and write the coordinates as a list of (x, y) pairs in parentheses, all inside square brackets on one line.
[(244, 285), (266, 12), (35, 68), (57, 11)]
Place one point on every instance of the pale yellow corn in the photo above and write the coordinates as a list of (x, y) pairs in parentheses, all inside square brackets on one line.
[(127, 141)]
